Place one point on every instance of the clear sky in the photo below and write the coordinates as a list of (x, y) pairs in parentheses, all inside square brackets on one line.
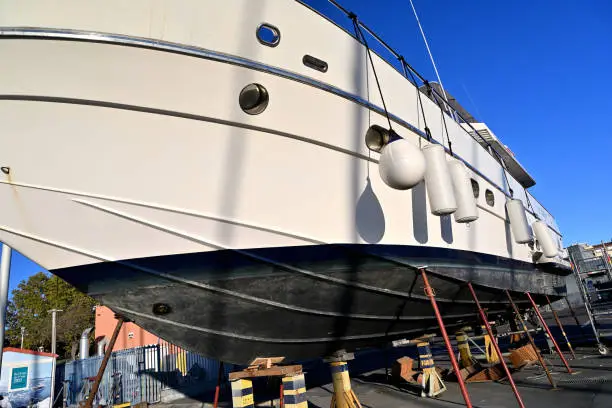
[(537, 72)]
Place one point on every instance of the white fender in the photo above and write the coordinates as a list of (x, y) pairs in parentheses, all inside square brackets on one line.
[(438, 181), (540, 229), (518, 221), (464, 195), (401, 165)]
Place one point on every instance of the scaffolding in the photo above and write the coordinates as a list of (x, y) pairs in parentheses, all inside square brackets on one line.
[(593, 276)]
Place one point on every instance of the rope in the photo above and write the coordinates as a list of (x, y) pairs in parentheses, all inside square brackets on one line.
[(359, 33), (406, 72)]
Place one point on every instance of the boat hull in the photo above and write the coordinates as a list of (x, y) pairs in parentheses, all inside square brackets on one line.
[(306, 301)]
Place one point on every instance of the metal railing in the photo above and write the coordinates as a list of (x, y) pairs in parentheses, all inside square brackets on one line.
[(140, 375)]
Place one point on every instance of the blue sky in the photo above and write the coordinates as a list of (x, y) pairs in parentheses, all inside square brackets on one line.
[(537, 72)]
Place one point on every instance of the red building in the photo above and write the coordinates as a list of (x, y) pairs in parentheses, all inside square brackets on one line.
[(130, 335)]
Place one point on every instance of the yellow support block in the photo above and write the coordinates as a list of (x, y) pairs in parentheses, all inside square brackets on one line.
[(294, 391), (242, 393)]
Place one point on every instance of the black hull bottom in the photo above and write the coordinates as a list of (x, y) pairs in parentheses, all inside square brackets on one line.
[(303, 302)]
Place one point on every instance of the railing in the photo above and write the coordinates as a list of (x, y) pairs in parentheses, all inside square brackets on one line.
[(405, 69), (140, 374)]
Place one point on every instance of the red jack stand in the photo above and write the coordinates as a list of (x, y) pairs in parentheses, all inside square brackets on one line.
[(535, 308), (531, 342), (569, 345), (483, 317), (218, 387), (430, 293)]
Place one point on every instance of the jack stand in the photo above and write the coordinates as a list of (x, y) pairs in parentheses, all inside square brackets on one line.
[(109, 349), (431, 383), (218, 387), (537, 311), (343, 396), (242, 386), (569, 346), (530, 338), (451, 354), (490, 353), (499, 353), (467, 360)]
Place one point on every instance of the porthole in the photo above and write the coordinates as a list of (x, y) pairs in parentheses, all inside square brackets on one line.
[(475, 188), (489, 197), (254, 99), (268, 35)]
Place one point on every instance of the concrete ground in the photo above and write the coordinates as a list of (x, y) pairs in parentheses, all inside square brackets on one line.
[(590, 387)]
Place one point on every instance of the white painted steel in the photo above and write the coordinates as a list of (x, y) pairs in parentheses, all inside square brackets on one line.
[(401, 165), (121, 152), (438, 181), (464, 195)]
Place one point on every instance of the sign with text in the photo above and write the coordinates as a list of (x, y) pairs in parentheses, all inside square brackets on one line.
[(19, 378)]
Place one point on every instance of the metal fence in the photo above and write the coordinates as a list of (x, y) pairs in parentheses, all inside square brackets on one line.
[(140, 374)]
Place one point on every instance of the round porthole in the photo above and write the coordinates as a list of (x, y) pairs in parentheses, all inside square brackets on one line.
[(268, 35), (254, 99)]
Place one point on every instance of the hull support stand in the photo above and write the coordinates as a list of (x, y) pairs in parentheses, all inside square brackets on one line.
[(556, 316), (343, 396), (484, 319), (107, 354), (430, 293), (530, 338), (537, 311)]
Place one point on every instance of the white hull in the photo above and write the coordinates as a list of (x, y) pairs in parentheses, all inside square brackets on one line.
[(119, 152)]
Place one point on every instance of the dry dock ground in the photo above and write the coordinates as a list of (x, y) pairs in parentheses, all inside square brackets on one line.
[(590, 387)]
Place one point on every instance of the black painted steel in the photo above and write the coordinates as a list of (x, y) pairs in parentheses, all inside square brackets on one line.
[(234, 307)]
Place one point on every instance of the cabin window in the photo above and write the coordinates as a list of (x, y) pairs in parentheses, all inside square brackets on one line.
[(268, 35), (475, 188), (489, 197)]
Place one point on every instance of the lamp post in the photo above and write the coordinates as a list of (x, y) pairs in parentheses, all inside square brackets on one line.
[(5, 270)]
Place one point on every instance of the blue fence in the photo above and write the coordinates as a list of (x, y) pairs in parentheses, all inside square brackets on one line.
[(140, 374)]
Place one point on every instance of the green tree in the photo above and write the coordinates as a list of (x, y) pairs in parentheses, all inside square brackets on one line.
[(30, 306)]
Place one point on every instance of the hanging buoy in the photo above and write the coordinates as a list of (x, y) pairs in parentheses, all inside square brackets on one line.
[(518, 221), (464, 195), (438, 181), (401, 164), (540, 230)]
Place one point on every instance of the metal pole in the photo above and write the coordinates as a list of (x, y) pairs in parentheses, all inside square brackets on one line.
[(53, 348), (571, 309), (218, 387), (107, 354), (22, 334), (5, 270), (429, 292), (494, 342), (561, 327), (535, 307), (530, 338)]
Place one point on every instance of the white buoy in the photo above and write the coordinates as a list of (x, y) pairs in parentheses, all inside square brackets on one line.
[(401, 164), (464, 195), (540, 229), (438, 181), (518, 221)]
